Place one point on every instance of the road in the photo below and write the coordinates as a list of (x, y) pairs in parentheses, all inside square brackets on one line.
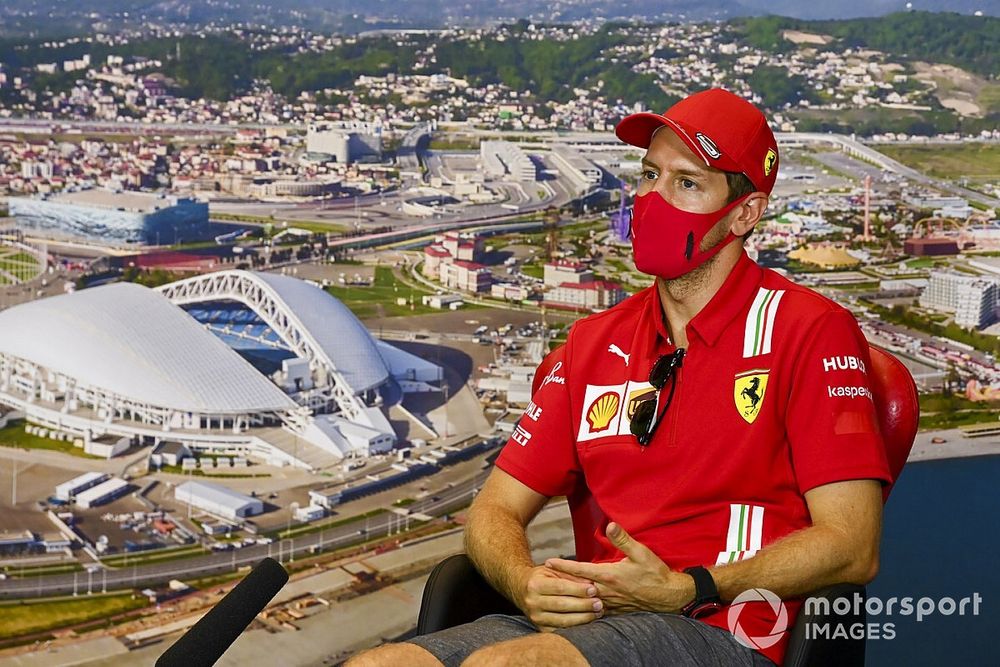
[(142, 576), (857, 149)]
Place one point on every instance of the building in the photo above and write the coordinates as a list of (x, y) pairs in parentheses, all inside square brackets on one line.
[(434, 255), (465, 247), (509, 291), (593, 295), (825, 256), (448, 249), (169, 453), (977, 304), (925, 247), (345, 142), (985, 236), (107, 446), (933, 201), (504, 161), (68, 490), (218, 500), (231, 362), (440, 301), (103, 493), (583, 174), (327, 497), (310, 513), (55, 542), (974, 300), (112, 218), (466, 276), (13, 542), (565, 271), (268, 188), (572, 285)]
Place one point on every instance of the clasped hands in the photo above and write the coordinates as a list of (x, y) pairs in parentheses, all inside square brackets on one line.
[(562, 593)]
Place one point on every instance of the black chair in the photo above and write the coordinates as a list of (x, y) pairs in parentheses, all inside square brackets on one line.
[(456, 593)]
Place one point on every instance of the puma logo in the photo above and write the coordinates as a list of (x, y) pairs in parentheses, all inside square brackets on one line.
[(614, 349)]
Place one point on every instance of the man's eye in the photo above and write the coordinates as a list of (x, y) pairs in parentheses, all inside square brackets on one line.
[(649, 175), (688, 184)]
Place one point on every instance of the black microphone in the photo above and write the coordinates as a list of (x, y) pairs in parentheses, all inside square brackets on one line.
[(215, 632)]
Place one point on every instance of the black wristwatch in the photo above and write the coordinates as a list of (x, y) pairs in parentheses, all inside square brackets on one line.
[(706, 596)]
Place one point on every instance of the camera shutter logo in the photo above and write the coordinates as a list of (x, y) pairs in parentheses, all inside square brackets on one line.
[(780, 623)]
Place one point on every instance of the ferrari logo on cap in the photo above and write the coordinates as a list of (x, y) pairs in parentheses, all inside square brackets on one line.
[(769, 161), (748, 392)]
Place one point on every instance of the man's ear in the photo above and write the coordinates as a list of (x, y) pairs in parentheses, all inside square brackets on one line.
[(749, 213)]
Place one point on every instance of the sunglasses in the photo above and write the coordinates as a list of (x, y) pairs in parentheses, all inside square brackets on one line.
[(646, 418)]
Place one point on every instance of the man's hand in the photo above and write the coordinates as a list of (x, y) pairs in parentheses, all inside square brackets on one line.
[(638, 582), (552, 599)]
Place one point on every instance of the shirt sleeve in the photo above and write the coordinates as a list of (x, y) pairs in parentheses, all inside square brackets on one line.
[(831, 421), (541, 452)]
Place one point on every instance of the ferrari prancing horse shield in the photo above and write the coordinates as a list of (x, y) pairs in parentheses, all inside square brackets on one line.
[(748, 392)]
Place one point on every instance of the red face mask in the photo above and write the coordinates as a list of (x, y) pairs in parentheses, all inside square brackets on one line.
[(666, 241)]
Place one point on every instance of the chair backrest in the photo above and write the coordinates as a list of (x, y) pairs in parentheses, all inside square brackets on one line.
[(896, 405)]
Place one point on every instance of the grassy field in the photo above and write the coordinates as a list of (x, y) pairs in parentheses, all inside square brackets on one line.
[(178, 470), (12, 262), (533, 270), (454, 144), (979, 162), (20, 264), (921, 263), (989, 97), (158, 556), (15, 436), (317, 226), (944, 420), (940, 412), (21, 618), (379, 299), (41, 570), (278, 223)]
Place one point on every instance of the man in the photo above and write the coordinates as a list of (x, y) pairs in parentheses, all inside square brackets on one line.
[(720, 419)]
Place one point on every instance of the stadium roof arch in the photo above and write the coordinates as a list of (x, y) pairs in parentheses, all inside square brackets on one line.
[(315, 326), (127, 343)]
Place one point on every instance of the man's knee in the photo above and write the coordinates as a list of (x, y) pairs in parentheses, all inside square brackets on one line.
[(540, 649), (394, 654)]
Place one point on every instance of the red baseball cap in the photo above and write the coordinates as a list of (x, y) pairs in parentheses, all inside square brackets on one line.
[(725, 130)]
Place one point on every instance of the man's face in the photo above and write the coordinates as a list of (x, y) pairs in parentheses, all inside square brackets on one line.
[(680, 176)]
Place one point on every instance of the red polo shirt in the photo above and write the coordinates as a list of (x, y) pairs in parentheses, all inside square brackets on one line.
[(772, 400)]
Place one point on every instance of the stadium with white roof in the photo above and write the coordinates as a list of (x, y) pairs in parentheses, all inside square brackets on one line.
[(236, 362)]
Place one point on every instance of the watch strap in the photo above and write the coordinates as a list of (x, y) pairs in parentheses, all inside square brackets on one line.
[(706, 593)]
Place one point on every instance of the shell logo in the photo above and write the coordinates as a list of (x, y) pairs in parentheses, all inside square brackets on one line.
[(602, 411)]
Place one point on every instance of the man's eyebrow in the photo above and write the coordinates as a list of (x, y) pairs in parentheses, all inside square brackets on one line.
[(693, 170)]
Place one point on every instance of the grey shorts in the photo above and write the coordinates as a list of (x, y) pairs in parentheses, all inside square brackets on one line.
[(625, 640)]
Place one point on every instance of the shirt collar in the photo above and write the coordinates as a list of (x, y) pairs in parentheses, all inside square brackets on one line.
[(730, 301), (654, 314)]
